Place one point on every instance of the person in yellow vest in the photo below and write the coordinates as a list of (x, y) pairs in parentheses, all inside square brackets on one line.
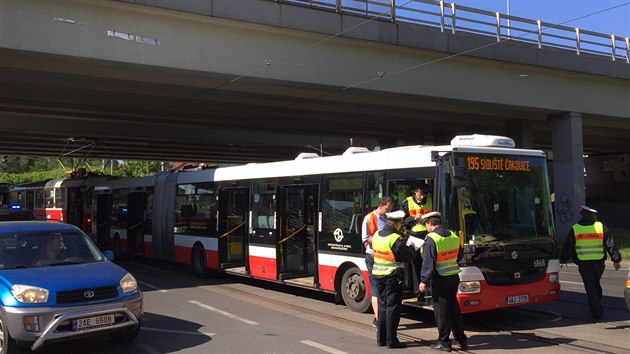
[(390, 252), (441, 253), (417, 205), (587, 244)]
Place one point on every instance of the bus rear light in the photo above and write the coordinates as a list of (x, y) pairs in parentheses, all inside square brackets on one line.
[(469, 287), (554, 278)]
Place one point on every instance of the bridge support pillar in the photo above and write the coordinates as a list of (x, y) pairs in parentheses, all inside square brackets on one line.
[(521, 132), (568, 169)]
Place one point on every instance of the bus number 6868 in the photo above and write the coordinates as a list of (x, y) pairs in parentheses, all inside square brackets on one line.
[(539, 263)]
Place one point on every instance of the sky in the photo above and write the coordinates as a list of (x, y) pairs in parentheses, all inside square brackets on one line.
[(615, 21)]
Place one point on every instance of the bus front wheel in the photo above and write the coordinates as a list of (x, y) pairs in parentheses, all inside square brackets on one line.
[(354, 290)]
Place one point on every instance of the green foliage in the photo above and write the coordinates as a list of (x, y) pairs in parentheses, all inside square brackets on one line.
[(138, 168), (19, 169), (17, 178)]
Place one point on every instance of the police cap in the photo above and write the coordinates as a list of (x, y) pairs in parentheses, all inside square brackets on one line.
[(395, 215)]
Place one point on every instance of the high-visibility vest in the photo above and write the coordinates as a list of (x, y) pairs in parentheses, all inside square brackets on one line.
[(372, 223), (447, 249), (589, 241), (384, 258), (417, 209), (418, 228)]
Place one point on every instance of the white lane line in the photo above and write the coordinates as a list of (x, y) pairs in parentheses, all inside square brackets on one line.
[(571, 282), (224, 313), (153, 287), (323, 347), (144, 328)]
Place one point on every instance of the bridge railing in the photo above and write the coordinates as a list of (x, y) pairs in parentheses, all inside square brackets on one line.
[(449, 17)]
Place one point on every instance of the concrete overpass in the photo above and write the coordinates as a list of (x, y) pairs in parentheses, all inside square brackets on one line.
[(239, 81)]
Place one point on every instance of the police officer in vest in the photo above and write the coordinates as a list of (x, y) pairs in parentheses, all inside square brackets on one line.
[(416, 205), (390, 252), (587, 244), (441, 253)]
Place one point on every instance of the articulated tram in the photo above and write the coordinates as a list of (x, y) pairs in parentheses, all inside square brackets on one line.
[(298, 222)]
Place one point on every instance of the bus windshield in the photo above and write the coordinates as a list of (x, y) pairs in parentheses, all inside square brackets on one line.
[(498, 198)]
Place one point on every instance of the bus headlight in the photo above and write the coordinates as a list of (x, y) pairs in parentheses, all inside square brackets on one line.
[(554, 278), (469, 287), (128, 283), (28, 294)]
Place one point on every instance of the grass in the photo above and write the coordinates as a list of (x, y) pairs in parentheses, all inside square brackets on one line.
[(622, 241)]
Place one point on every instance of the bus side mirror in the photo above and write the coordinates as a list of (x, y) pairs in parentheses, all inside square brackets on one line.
[(458, 176)]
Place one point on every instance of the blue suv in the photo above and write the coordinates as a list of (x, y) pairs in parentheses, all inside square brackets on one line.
[(56, 285)]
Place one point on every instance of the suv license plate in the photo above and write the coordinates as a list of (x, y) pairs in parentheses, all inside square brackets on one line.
[(517, 299), (91, 322)]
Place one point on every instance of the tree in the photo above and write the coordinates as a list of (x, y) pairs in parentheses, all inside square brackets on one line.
[(138, 168)]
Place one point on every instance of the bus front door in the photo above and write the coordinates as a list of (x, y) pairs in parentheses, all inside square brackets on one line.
[(296, 228), (103, 219), (136, 202), (233, 212)]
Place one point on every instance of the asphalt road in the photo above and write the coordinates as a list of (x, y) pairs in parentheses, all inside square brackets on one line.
[(230, 314)]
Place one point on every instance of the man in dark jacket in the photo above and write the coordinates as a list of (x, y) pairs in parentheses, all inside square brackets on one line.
[(390, 252), (440, 257), (587, 244)]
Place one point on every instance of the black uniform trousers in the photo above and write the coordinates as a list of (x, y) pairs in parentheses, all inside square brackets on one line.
[(591, 272), (389, 309), (447, 314)]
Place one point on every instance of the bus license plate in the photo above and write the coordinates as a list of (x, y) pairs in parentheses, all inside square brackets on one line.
[(91, 322), (517, 299)]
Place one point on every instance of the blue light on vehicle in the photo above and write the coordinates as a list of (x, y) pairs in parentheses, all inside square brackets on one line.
[(16, 207)]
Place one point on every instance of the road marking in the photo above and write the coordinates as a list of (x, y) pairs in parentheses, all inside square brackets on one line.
[(144, 328), (323, 347), (153, 287), (224, 313), (571, 282)]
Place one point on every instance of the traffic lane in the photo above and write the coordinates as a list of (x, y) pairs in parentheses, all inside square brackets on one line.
[(612, 282), (244, 318), (417, 327)]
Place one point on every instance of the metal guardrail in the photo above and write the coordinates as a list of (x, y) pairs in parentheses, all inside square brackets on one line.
[(456, 18)]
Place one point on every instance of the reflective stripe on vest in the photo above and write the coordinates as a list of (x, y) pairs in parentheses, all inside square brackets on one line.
[(417, 209), (384, 258), (447, 249), (589, 241)]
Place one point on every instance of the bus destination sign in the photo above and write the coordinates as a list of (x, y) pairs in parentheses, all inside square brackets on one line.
[(475, 163)]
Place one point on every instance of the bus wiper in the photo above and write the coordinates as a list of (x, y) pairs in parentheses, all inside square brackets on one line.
[(492, 245)]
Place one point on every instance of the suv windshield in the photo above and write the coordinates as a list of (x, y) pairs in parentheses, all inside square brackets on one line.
[(46, 248)]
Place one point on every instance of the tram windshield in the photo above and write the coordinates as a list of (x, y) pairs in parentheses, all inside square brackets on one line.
[(497, 199)]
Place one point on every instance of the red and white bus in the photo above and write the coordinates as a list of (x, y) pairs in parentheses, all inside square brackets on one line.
[(298, 221), (70, 199)]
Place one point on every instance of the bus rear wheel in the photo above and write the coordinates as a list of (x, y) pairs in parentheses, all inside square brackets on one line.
[(354, 290), (199, 263)]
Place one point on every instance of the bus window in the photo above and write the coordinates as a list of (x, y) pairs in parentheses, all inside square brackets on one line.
[(341, 203), (196, 208), (374, 190), (264, 204)]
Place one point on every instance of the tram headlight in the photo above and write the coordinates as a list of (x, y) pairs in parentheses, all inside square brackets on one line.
[(554, 278), (469, 287)]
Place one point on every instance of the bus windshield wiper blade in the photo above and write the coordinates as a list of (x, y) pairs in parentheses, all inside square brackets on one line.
[(492, 246)]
